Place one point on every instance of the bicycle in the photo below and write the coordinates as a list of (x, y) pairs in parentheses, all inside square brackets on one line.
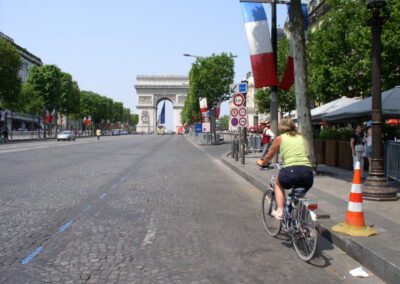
[(299, 219)]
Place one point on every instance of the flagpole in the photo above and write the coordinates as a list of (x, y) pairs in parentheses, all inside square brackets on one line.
[(274, 89)]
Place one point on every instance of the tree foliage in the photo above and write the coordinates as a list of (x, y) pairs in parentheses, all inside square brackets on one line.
[(209, 78), (339, 51), (10, 82), (47, 80), (223, 122), (133, 119)]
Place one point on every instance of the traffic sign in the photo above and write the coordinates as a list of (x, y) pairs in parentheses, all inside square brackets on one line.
[(243, 111), (198, 128), (205, 127), (243, 122), (234, 122), (233, 88), (238, 100), (238, 88), (234, 112), (243, 88)]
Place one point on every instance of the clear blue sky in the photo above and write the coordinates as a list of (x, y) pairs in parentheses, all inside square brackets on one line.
[(105, 44)]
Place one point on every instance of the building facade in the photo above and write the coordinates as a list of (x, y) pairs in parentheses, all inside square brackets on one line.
[(14, 121)]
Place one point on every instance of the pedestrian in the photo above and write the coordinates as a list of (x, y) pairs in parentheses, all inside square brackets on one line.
[(266, 142), (357, 142), (98, 134), (5, 135), (368, 144)]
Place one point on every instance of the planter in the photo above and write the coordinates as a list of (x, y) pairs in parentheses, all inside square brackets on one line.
[(345, 160), (319, 146), (331, 152)]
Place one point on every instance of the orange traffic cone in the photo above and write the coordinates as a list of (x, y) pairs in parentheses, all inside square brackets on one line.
[(354, 224)]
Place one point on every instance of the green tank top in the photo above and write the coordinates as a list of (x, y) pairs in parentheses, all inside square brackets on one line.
[(293, 151)]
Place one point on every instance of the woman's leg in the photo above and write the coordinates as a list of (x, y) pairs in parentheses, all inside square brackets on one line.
[(280, 198)]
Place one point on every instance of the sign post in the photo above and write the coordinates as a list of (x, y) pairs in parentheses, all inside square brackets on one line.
[(238, 115)]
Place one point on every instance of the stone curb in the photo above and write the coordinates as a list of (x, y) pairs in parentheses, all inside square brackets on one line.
[(372, 260)]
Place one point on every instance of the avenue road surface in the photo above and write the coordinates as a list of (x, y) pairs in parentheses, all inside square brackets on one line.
[(140, 209)]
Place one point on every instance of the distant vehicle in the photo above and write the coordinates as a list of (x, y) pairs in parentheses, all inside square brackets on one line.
[(180, 130), (116, 132), (124, 132), (160, 130), (66, 135)]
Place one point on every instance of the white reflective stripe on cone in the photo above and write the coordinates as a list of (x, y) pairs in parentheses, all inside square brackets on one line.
[(356, 188), (355, 207)]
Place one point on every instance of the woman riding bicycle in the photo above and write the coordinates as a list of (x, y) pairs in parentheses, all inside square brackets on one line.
[(297, 171)]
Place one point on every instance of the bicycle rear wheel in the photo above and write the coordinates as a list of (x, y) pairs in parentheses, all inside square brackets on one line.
[(271, 224), (305, 237)]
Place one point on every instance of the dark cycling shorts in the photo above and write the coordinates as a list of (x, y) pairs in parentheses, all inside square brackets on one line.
[(296, 176)]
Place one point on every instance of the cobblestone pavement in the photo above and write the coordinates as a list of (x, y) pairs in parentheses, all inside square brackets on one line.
[(136, 209)]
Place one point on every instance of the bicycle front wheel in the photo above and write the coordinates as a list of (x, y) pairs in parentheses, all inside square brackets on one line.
[(271, 224), (305, 236)]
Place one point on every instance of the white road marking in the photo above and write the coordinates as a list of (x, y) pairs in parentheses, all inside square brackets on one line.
[(151, 233)]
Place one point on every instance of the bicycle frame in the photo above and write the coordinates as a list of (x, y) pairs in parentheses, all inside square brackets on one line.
[(292, 202)]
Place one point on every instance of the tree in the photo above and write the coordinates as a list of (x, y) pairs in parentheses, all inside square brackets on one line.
[(287, 100), (339, 51), (223, 122), (10, 82), (70, 95), (47, 80), (117, 112), (210, 78), (134, 119), (301, 78)]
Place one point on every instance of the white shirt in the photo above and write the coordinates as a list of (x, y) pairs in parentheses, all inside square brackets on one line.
[(269, 132)]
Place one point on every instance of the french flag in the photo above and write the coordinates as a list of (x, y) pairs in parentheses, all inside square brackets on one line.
[(259, 40), (288, 77)]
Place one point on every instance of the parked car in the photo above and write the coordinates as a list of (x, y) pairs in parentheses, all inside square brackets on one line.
[(116, 132), (66, 135), (124, 132)]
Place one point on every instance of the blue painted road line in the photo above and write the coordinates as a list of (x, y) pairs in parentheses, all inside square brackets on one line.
[(114, 186), (65, 226), (122, 179), (103, 195), (32, 255), (87, 208)]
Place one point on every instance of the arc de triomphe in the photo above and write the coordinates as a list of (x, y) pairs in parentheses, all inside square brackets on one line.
[(151, 89)]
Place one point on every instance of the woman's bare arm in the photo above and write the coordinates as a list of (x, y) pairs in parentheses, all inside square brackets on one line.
[(271, 153)]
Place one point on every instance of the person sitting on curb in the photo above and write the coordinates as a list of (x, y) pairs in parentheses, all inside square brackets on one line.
[(297, 170)]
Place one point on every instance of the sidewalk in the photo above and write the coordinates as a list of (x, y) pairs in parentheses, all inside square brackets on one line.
[(379, 253)]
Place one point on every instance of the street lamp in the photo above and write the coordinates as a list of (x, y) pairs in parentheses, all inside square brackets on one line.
[(376, 186)]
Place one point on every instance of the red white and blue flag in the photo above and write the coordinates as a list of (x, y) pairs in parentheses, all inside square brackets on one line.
[(288, 77), (259, 40)]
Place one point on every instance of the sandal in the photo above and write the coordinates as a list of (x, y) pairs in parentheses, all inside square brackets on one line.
[(273, 214)]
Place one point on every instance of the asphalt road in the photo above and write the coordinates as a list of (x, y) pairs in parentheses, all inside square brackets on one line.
[(139, 209)]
